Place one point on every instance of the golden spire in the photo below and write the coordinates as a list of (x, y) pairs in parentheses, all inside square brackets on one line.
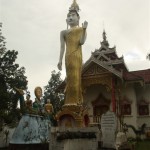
[(74, 6)]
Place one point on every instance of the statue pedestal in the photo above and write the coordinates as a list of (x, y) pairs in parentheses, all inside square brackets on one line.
[(72, 116), (32, 132), (73, 138)]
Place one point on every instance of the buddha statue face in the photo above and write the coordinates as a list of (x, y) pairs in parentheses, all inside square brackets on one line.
[(73, 19)]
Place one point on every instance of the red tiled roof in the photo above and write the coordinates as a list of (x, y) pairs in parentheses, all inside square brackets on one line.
[(138, 75)]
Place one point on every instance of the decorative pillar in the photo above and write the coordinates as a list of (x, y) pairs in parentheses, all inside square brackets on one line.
[(113, 96)]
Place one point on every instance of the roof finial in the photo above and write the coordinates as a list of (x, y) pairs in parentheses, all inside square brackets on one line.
[(74, 6), (104, 35), (104, 42)]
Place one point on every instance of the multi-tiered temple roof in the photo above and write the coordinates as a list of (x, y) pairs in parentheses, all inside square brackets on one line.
[(105, 62), (107, 59)]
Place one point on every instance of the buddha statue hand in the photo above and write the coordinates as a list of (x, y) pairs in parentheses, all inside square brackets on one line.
[(59, 65), (84, 25)]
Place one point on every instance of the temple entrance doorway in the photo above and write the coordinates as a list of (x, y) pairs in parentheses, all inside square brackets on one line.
[(100, 106)]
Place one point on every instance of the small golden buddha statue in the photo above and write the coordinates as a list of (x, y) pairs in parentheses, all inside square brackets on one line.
[(49, 107), (28, 102)]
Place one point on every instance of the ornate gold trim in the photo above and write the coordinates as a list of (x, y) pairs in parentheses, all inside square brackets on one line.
[(103, 80)]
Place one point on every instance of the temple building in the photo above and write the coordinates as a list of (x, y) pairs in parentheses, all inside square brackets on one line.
[(109, 85)]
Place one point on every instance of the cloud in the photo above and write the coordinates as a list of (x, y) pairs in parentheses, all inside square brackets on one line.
[(134, 54), (33, 28)]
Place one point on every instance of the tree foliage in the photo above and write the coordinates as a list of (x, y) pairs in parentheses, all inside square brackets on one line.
[(148, 56), (11, 76), (50, 91)]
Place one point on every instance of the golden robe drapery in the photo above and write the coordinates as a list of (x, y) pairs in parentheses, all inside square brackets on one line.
[(73, 62)]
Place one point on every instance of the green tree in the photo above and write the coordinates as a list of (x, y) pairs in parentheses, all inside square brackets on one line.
[(11, 77), (51, 92), (148, 56)]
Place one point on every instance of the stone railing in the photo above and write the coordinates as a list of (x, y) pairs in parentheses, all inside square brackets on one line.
[(95, 119)]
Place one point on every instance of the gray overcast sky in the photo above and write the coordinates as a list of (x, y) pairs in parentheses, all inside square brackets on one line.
[(32, 27)]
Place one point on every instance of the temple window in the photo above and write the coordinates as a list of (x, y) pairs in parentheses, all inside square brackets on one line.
[(143, 108), (126, 106)]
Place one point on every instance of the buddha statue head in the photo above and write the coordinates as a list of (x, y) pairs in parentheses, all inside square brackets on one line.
[(73, 16)]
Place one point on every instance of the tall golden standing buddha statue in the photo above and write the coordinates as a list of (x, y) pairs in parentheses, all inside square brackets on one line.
[(73, 38)]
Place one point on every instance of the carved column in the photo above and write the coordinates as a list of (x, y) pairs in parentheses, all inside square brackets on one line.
[(113, 96)]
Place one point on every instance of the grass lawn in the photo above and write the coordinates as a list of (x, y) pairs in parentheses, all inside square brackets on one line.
[(142, 145)]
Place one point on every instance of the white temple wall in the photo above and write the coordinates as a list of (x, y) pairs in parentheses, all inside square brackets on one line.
[(143, 119), (135, 94), (143, 93), (130, 93)]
